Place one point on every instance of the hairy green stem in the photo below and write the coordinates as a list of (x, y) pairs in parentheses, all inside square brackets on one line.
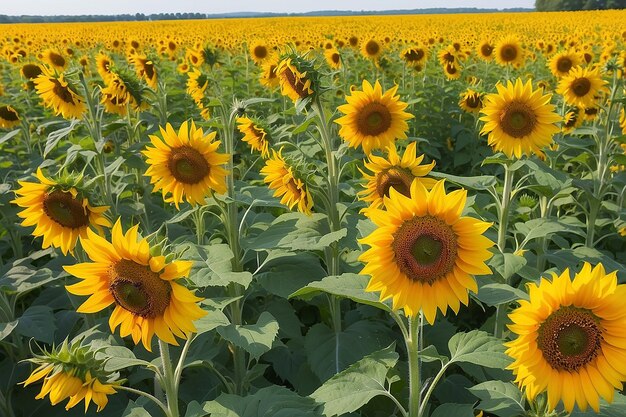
[(169, 381), (415, 384), (502, 229)]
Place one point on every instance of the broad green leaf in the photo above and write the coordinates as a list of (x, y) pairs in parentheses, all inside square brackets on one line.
[(479, 348), (213, 319), (615, 409), (282, 275), (357, 385), (22, 278), (537, 228), (55, 136), (272, 401), (9, 135), (453, 410), (37, 322), (501, 398), (7, 328), (347, 285), (217, 269), (119, 357), (495, 294), (565, 258), (430, 354), (507, 264), (482, 182), (255, 339)]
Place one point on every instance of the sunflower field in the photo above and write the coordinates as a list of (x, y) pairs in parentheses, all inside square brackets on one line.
[(411, 216)]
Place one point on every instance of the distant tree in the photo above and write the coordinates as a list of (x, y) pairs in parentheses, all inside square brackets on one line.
[(555, 5)]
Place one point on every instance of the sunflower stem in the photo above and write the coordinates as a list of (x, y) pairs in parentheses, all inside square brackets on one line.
[(169, 380), (502, 229), (148, 396), (415, 384)]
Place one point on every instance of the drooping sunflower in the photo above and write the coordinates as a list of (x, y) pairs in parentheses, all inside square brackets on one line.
[(143, 287), (268, 77), (294, 82), (622, 120), (281, 178), (57, 93), (571, 339), (471, 101), (561, 63), (259, 52), (572, 120), (197, 83), (254, 135), (509, 51), (448, 56), (104, 65), (186, 164), (59, 212), (581, 86), (395, 171), (373, 119), (518, 119), (30, 72), (144, 67), (423, 253), (371, 49), (9, 117)]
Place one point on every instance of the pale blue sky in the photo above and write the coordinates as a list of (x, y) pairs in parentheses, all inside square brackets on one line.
[(49, 7)]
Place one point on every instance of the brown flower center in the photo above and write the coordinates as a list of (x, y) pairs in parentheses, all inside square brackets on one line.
[(56, 59), (148, 69), (508, 53), (486, 49), (473, 101), (518, 119), (414, 55), (372, 47), (139, 290), (296, 83), (451, 69), (260, 52), (373, 119), (581, 86), (570, 338), (8, 114), (188, 165), (425, 249), (448, 57), (397, 178), (31, 71), (65, 210), (353, 41), (335, 58), (62, 92), (564, 64)]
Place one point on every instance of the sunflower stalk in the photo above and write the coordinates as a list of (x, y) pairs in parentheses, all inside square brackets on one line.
[(415, 383), (148, 396), (170, 384)]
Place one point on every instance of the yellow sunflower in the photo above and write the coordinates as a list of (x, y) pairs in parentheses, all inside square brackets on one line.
[(509, 52), (485, 50), (414, 56), (9, 117), (561, 63), (452, 71), (259, 52), (571, 338), (622, 120), (371, 49), (280, 177), (518, 119), (471, 101), (143, 287), (293, 83), (423, 253), (103, 65), (54, 59), (59, 213), (333, 58), (254, 135), (581, 86), (197, 84), (186, 164), (144, 67), (269, 78), (30, 71), (395, 171), (572, 120), (57, 93), (373, 119)]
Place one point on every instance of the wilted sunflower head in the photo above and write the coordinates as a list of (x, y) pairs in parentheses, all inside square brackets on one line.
[(299, 80)]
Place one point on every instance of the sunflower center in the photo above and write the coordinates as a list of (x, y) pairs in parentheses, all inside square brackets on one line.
[(139, 290), (335, 58), (396, 178), (486, 49), (148, 68), (425, 249), (517, 119), (296, 83), (62, 91), (473, 101), (65, 210), (564, 64), (372, 48), (260, 51), (570, 338), (31, 71), (374, 119), (8, 114), (571, 120), (581, 86), (414, 55), (56, 59), (508, 53), (187, 165)]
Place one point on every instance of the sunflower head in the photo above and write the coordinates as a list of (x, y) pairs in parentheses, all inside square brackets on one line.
[(197, 83), (372, 118), (298, 78), (30, 71), (71, 371), (371, 49), (60, 94), (282, 176), (471, 101), (561, 63), (414, 56), (570, 338), (145, 69), (581, 86), (333, 58), (259, 52), (269, 77), (572, 119), (423, 253), (186, 165), (485, 50), (508, 51), (518, 119), (9, 117), (255, 135), (54, 59)]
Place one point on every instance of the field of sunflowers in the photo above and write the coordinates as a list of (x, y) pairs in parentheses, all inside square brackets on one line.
[(411, 216)]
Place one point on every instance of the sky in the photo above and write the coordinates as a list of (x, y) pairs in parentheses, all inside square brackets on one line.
[(108, 7)]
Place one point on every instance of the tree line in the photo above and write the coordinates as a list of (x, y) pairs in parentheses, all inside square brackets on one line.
[(557, 5)]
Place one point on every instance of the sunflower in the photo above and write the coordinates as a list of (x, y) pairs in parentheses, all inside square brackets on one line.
[(115, 96), (58, 94), (622, 120), (104, 65), (197, 83), (561, 63), (59, 213), (280, 177), (414, 56), (471, 101), (333, 58), (452, 71), (54, 59), (485, 50), (142, 286), (371, 49), (186, 164), (571, 339), (269, 78), (373, 119), (509, 52), (9, 117), (423, 253), (294, 83), (393, 172), (448, 57), (591, 113), (30, 71), (259, 52), (581, 86), (254, 135), (519, 120), (144, 67)]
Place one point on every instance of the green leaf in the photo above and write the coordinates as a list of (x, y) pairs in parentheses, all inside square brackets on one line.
[(9, 135), (616, 409), (456, 410), (55, 136), (501, 398), (496, 294), (37, 322), (22, 278), (217, 270), (7, 328), (119, 357), (479, 348), (346, 285), (255, 339), (507, 264), (214, 318), (287, 272), (357, 385), (482, 182), (430, 354), (272, 401), (537, 228)]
